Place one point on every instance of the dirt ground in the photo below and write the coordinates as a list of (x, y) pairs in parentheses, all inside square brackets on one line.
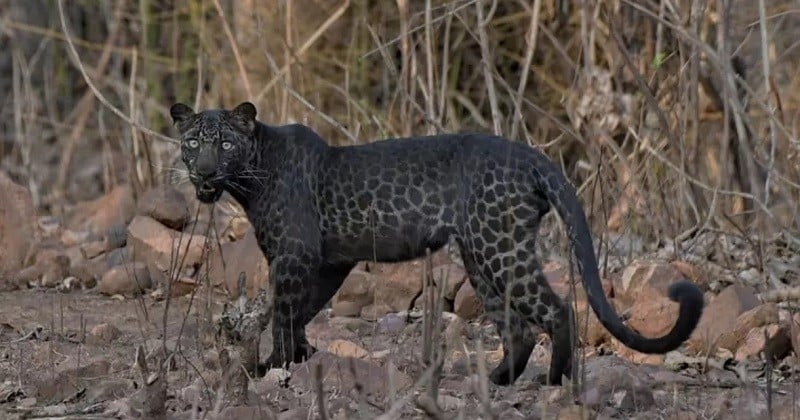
[(76, 361)]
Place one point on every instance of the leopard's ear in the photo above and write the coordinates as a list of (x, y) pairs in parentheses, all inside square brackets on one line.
[(180, 112), (246, 111)]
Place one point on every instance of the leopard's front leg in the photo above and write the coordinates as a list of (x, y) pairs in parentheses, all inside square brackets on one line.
[(292, 275), (293, 244)]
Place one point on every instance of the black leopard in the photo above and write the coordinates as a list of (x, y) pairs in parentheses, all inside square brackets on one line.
[(317, 210)]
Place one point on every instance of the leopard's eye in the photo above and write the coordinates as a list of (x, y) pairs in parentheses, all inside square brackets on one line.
[(193, 143), (226, 145)]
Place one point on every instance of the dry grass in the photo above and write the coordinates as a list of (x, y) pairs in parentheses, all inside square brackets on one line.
[(639, 101)]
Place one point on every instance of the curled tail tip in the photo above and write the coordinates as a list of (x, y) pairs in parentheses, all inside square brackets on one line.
[(686, 292)]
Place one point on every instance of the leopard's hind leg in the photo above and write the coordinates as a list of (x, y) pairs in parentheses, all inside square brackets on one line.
[(500, 247)]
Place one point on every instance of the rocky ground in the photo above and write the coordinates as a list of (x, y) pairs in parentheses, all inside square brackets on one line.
[(94, 300)]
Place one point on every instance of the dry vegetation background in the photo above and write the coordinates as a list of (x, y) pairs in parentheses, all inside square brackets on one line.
[(668, 114), (671, 116)]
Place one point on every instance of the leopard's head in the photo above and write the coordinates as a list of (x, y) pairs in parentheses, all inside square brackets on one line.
[(216, 146)]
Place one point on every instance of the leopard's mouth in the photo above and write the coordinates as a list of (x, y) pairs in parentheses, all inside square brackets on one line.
[(208, 193)]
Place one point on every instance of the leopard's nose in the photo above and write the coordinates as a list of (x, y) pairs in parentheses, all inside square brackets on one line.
[(206, 168)]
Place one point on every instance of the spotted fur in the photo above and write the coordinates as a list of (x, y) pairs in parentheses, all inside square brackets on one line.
[(317, 210)]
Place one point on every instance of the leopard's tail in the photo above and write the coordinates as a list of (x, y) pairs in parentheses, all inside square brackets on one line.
[(563, 197)]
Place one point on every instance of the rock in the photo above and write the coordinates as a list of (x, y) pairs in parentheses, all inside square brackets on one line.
[(454, 276), (607, 376), (116, 237), (88, 273), (373, 312), (155, 243), (720, 315), (455, 330), (591, 331), (226, 262), (645, 280), (574, 412), (759, 316), (125, 279), (71, 237), (93, 249), (68, 382), (450, 403), (467, 305), (22, 279), (118, 256), (357, 291), (510, 413), (401, 283), (689, 271), (794, 332), (247, 412), (55, 272), (182, 286), (165, 204), (627, 400), (17, 225), (99, 215), (300, 413), (104, 333), (337, 372), (392, 322), (344, 348), (770, 339)]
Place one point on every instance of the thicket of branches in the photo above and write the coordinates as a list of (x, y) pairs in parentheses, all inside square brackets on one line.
[(669, 114)]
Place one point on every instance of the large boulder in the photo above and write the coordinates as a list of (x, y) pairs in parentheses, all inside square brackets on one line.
[(17, 224)]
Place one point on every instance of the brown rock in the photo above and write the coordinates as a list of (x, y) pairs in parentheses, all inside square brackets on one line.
[(344, 348), (104, 333), (467, 305), (88, 273), (757, 317), (653, 316), (93, 248), (558, 276), (238, 227), (575, 412), (182, 287), (17, 225), (454, 276), (607, 376), (55, 272), (374, 311), (231, 258), (634, 356), (356, 292), (101, 214), (720, 315), (71, 237), (165, 204), (338, 372), (689, 271), (590, 330), (646, 280), (771, 339), (399, 284), (155, 243), (125, 279)]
